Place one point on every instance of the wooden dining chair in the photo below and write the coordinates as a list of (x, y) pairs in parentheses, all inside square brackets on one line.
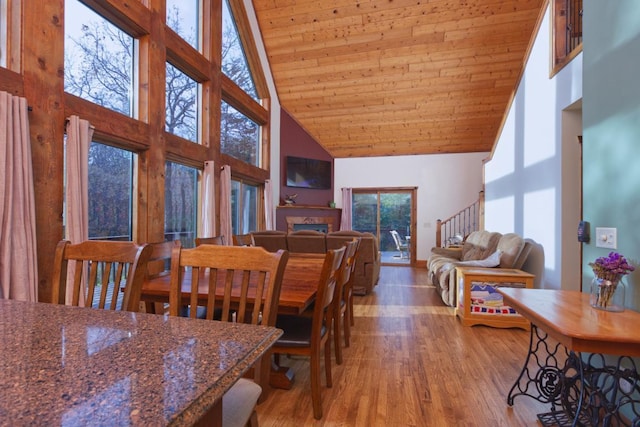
[(308, 336), (242, 285), (343, 294), (113, 272), (243, 240), (159, 264), (216, 240)]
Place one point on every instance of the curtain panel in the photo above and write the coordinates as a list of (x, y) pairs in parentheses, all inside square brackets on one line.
[(79, 135), (226, 228), (18, 246), (269, 214), (209, 200), (345, 219)]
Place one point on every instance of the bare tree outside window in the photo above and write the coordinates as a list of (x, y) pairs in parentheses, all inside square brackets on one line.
[(111, 179), (240, 136), (180, 200), (98, 63), (234, 62)]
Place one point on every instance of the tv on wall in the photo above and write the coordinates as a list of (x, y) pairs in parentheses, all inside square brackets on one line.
[(308, 173)]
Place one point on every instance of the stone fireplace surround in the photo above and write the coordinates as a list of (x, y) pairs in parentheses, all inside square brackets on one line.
[(288, 216), (327, 221)]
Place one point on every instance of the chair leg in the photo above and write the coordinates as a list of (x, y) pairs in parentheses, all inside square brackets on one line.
[(316, 397), (253, 421), (327, 362), (337, 322), (351, 310), (347, 326)]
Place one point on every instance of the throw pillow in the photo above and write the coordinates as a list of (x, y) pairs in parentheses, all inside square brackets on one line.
[(492, 260)]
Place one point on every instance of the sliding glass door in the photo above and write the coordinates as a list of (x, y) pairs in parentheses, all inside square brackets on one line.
[(389, 214)]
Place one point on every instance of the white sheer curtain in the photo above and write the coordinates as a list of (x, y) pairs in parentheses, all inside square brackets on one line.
[(208, 200), (268, 206), (226, 228), (345, 219), (79, 135), (18, 250)]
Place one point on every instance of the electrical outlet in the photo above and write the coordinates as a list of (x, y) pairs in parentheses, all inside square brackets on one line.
[(606, 237)]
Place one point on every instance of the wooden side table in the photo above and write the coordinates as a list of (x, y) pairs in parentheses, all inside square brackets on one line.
[(479, 303)]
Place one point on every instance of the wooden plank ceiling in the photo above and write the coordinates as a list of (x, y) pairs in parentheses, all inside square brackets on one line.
[(395, 77)]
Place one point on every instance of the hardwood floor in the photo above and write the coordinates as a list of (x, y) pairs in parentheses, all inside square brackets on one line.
[(411, 363)]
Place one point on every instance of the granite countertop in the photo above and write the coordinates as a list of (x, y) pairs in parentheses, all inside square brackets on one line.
[(74, 366)]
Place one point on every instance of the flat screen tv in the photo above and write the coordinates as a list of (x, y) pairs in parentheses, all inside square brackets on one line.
[(308, 173)]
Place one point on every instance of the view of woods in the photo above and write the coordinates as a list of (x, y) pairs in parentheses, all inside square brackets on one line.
[(99, 67)]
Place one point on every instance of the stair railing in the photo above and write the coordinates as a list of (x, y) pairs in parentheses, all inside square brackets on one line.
[(468, 219)]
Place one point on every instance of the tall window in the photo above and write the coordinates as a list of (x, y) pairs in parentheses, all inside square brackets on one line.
[(98, 59), (183, 18), (240, 136), (244, 207), (110, 192), (234, 61), (239, 132), (181, 115), (181, 203)]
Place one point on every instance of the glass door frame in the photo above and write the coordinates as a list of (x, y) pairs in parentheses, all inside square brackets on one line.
[(413, 193)]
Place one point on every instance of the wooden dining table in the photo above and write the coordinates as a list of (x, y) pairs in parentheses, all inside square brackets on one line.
[(63, 365), (297, 293)]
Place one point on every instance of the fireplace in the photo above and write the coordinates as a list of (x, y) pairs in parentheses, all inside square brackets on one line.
[(307, 218), (324, 224), (323, 228)]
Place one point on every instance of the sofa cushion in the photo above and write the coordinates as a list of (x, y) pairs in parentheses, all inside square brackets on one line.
[(479, 245), (511, 245), (270, 240), (307, 241), (492, 260)]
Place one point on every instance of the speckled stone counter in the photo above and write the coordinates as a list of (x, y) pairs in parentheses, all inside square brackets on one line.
[(69, 366)]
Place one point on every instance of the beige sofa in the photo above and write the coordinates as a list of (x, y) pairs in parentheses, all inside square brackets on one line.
[(480, 249), (367, 268)]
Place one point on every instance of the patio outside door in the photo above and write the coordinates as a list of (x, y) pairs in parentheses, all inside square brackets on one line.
[(380, 211)]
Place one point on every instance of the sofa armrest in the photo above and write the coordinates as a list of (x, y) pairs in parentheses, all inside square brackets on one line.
[(454, 253)]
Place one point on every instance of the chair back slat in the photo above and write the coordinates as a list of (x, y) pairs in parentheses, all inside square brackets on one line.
[(112, 271)]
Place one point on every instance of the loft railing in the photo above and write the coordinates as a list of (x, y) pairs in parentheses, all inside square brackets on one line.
[(567, 31), (463, 223)]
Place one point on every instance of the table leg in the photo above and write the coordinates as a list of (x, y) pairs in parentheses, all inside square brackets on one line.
[(582, 390), (542, 370)]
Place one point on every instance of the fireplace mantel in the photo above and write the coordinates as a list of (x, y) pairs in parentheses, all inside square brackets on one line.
[(287, 216)]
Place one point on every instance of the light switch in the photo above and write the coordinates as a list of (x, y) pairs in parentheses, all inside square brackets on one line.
[(606, 237)]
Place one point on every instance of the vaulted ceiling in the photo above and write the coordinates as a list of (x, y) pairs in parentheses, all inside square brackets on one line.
[(395, 77)]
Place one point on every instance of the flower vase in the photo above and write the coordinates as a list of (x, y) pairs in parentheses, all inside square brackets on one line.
[(607, 294)]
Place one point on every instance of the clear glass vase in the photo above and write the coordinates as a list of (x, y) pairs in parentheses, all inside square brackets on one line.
[(607, 295)]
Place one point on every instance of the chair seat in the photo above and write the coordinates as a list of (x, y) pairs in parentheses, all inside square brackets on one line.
[(297, 331), (238, 403)]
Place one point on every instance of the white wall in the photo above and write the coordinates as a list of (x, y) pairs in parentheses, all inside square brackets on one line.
[(274, 107), (532, 182), (446, 183)]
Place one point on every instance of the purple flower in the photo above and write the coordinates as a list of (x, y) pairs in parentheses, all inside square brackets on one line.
[(611, 267)]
